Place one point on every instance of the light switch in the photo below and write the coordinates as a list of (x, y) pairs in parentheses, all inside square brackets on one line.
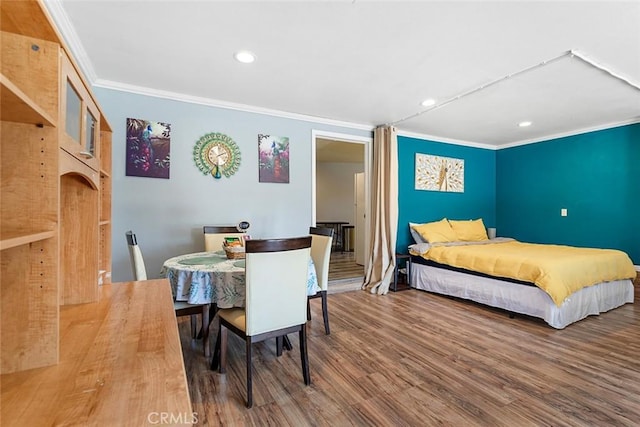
[(563, 212)]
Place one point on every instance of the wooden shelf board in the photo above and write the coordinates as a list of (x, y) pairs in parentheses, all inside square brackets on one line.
[(11, 240), (18, 107)]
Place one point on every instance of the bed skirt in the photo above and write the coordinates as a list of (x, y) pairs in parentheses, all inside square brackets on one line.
[(529, 300)]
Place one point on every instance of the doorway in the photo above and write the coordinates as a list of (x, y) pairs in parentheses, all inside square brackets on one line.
[(337, 160)]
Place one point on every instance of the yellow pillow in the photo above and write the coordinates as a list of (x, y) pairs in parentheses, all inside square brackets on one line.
[(469, 231), (437, 231)]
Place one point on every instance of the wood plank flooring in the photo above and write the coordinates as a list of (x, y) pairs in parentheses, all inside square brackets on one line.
[(342, 265), (417, 359)]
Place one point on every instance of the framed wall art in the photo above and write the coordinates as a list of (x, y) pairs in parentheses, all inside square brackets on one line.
[(148, 148), (435, 173), (273, 157)]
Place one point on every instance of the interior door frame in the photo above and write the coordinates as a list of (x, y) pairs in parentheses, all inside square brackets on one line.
[(354, 139)]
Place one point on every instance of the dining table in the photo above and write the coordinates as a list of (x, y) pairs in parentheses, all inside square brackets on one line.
[(212, 278)]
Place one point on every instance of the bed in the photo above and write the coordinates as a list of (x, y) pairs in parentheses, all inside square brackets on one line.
[(559, 284)]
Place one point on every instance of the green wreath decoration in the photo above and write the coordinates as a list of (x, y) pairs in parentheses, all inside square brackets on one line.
[(217, 154)]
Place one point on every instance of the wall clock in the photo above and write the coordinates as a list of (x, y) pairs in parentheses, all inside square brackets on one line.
[(437, 173), (217, 154)]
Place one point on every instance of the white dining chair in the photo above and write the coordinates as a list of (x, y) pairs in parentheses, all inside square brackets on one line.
[(182, 308), (321, 243), (276, 272)]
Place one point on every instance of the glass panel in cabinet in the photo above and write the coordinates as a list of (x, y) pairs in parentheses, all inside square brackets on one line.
[(90, 141), (73, 113)]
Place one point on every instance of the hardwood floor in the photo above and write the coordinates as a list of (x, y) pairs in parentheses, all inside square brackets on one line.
[(342, 265), (417, 359)]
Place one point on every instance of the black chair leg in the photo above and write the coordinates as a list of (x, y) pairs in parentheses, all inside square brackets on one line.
[(199, 331), (215, 360), (304, 356), (325, 312), (249, 383), (206, 321), (287, 342), (194, 326), (212, 309), (308, 309), (223, 349), (278, 346)]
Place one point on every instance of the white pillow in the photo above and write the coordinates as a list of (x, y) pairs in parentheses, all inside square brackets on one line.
[(419, 248), (416, 236)]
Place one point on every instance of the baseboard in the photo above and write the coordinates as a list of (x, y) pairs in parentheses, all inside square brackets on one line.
[(345, 285)]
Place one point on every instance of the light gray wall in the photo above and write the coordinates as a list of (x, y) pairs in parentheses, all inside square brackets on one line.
[(168, 215), (335, 191)]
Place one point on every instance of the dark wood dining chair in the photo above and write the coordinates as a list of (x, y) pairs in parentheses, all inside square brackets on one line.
[(276, 272), (214, 236), (181, 308), (321, 243)]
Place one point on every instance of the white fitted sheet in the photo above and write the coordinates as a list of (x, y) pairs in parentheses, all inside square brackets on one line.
[(529, 300)]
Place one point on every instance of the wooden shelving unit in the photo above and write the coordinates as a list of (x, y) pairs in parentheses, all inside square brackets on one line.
[(55, 208), (29, 205)]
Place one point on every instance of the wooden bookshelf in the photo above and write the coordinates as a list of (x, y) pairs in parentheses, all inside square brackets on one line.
[(29, 210), (55, 215)]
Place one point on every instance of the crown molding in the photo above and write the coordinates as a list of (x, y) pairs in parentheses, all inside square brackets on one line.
[(570, 133), (447, 140), (71, 38), (140, 90)]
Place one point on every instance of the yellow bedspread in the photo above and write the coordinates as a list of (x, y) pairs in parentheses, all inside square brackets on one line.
[(558, 270)]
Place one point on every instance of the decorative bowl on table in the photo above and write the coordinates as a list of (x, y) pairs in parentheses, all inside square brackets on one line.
[(234, 252)]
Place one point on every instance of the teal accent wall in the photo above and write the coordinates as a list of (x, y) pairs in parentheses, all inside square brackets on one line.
[(595, 176), (477, 201)]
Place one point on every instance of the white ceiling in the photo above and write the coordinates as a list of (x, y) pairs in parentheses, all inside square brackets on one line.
[(366, 63)]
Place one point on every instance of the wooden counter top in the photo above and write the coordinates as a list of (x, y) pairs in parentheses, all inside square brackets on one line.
[(120, 364)]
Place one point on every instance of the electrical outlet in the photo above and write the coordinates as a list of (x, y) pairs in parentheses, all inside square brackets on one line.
[(563, 212)]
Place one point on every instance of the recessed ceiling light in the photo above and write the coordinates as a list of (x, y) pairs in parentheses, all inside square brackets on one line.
[(245, 56), (428, 102), (524, 124)]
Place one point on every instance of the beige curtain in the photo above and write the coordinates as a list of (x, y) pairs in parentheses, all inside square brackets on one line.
[(384, 211)]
